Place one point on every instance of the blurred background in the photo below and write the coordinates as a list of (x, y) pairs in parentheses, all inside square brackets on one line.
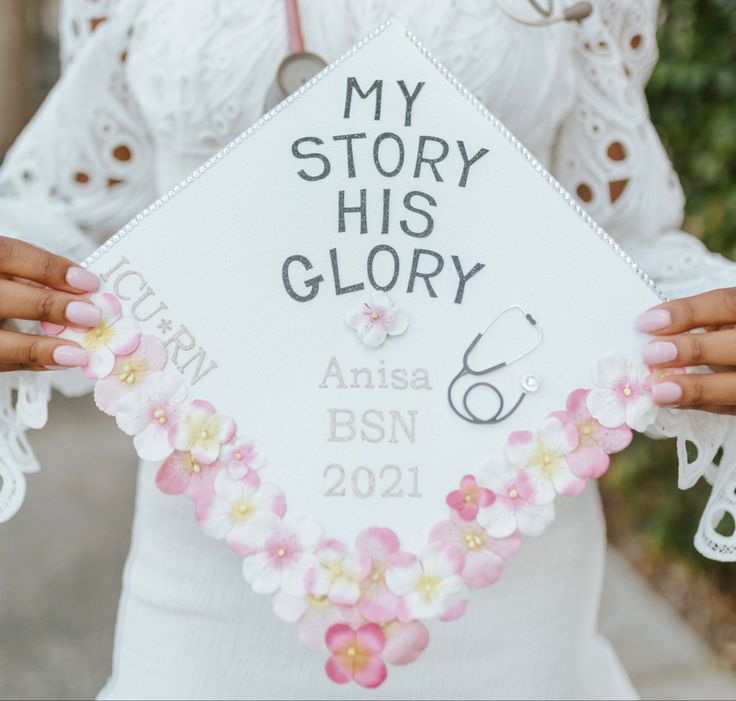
[(670, 613)]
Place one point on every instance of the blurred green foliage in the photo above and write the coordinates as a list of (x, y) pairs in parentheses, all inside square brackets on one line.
[(692, 98)]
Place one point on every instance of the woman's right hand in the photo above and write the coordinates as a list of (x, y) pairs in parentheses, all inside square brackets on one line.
[(39, 286)]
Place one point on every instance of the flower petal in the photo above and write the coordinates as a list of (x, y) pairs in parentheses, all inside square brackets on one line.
[(373, 674)]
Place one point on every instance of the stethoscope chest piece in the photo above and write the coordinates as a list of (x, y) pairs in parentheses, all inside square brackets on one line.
[(530, 384), (459, 400), (295, 70)]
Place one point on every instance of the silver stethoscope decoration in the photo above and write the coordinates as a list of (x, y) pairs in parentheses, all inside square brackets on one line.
[(541, 14), (529, 383)]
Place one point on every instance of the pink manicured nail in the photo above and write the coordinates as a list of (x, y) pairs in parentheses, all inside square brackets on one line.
[(83, 314), (658, 352), (654, 320), (81, 279), (70, 356), (666, 392)]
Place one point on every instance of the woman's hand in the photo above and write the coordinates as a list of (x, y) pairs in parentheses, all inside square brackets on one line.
[(40, 286), (714, 313)]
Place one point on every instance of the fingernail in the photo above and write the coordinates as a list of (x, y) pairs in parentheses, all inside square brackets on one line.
[(654, 320), (83, 314), (658, 352), (82, 279), (70, 356), (666, 392)]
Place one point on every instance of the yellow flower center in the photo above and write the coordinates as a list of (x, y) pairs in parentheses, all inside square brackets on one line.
[(427, 587), (627, 391), (374, 315), (513, 493), (352, 652), (127, 374), (160, 416), (242, 511), (98, 337), (473, 541), (281, 552), (238, 456), (546, 460), (586, 430)]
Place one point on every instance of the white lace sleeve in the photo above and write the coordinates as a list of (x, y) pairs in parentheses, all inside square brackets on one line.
[(80, 169), (609, 155)]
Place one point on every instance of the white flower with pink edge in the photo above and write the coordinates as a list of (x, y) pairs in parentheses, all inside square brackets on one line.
[(376, 318), (313, 615), (482, 556), (543, 455), (431, 587), (152, 413), (203, 431), (114, 336), (622, 393), (517, 504), (381, 545), (129, 373), (227, 512), (283, 553), (240, 457), (338, 573)]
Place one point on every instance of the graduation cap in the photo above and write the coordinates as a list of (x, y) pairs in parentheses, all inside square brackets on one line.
[(374, 340)]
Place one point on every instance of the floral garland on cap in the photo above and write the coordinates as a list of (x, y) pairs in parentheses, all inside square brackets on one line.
[(362, 606)]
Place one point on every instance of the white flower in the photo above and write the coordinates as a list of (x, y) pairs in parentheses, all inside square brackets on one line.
[(228, 511), (431, 586), (283, 553), (375, 319), (622, 393), (517, 505), (338, 573), (543, 454), (114, 336), (151, 413)]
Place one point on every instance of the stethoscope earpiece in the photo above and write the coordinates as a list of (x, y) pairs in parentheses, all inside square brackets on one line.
[(529, 383)]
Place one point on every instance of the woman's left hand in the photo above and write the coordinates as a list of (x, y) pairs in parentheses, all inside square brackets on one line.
[(675, 346)]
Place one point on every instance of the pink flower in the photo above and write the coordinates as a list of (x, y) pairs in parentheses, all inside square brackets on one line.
[(375, 319), (356, 655), (151, 413), (181, 473), (313, 615), (227, 512), (381, 546), (517, 503), (482, 555), (544, 456), (622, 393), (114, 336), (129, 373), (596, 442), (405, 642), (240, 457), (430, 587), (338, 573), (283, 553), (469, 498), (203, 431)]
